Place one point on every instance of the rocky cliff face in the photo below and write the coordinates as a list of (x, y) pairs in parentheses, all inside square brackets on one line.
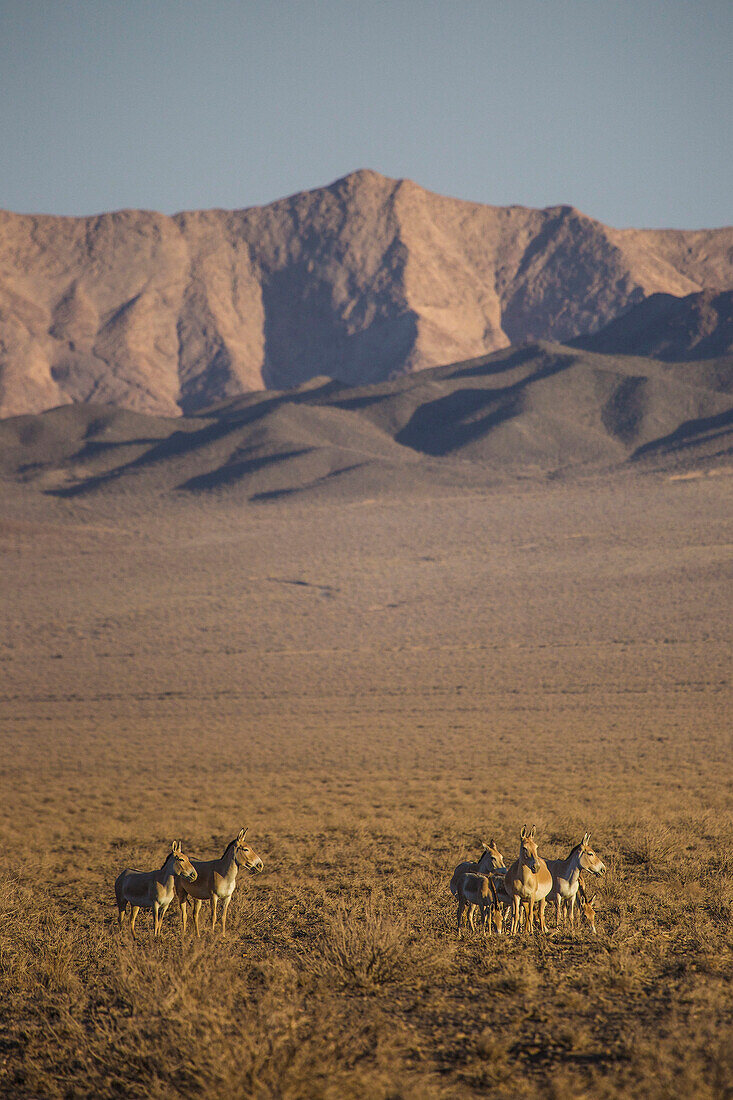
[(363, 280)]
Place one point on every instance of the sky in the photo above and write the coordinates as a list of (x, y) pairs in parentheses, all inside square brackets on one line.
[(623, 108)]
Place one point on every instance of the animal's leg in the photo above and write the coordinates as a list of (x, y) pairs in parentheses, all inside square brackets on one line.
[(224, 907), (461, 907), (543, 926), (156, 918), (572, 911), (471, 915), (196, 911), (558, 907), (214, 903), (121, 916), (529, 906), (515, 914), (184, 914), (135, 911)]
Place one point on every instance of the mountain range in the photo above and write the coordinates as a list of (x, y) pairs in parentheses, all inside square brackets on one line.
[(543, 410), (364, 281)]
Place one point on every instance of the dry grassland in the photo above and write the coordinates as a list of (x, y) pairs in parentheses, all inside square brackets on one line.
[(373, 688)]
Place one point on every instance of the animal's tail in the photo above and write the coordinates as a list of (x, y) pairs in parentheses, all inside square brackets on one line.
[(121, 901)]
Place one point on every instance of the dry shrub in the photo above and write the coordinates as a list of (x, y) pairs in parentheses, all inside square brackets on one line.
[(651, 846), (365, 946)]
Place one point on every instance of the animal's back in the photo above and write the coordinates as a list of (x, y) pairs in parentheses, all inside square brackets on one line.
[(473, 885), (134, 886), (467, 867)]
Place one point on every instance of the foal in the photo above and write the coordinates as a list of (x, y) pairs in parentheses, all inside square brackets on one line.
[(478, 892)]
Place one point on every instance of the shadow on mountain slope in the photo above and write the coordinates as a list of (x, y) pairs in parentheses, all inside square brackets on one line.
[(539, 410)]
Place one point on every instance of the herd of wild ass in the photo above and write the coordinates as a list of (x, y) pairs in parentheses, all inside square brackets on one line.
[(494, 889), (487, 886)]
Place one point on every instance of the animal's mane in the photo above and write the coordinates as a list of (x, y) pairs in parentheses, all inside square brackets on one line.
[(166, 859), (575, 849)]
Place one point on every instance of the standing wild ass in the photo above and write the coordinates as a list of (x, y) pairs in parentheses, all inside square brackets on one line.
[(217, 879), (528, 882), (566, 876), (490, 861), (153, 889), (478, 892)]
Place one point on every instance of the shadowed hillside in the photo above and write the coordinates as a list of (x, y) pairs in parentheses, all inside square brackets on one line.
[(363, 280), (698, 326), (541, 410)]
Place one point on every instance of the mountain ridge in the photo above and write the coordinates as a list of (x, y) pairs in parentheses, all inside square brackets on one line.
[(542, 410), (362, 280)]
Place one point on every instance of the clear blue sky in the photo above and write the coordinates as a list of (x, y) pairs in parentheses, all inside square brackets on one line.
[(623, 108)]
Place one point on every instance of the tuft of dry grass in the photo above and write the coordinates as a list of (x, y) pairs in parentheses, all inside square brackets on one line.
[(365, 945)]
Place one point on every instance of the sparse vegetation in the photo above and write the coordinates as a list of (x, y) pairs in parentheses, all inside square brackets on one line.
[(373, 996), (479, 668)]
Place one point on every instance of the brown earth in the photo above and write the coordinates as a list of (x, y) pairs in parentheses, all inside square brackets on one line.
[(373, 681), (362, 280)]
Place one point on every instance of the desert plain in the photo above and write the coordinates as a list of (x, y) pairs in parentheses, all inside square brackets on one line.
[(374, 680)]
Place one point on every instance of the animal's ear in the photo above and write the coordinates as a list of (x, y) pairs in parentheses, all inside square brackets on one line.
[(524, 832), (491, 843), (485, 846), (592, 900), (242, 834), (175, 846), (533, 832)]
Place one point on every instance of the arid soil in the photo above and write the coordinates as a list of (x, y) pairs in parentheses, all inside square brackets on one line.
[(373, 684), (361, 280)]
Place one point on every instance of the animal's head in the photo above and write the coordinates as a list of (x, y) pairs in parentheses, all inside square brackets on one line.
[(589, 861), (491, 858), (528, 849), (497, 918), (246, 856), (182, 864), (589, 911)]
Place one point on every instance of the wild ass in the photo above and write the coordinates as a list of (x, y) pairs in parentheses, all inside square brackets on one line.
[(566, 876), (478, 892), (217, 879), (153, 889), (490, 861), (528, 882)]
